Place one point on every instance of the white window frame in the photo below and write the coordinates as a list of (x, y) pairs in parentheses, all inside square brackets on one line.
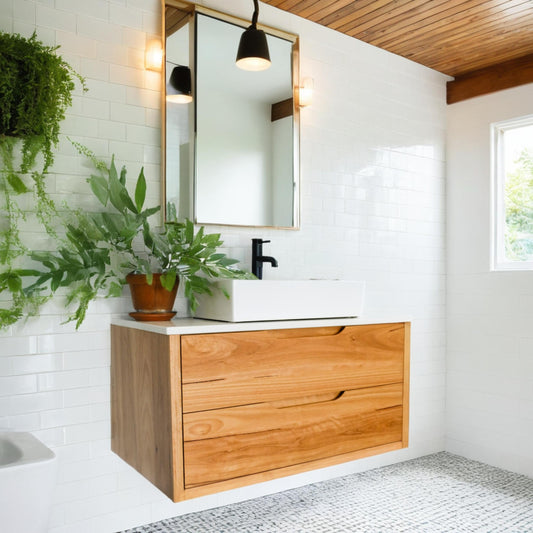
[(498, 129)]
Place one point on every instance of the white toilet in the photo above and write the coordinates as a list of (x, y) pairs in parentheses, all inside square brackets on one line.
[(28, 473)]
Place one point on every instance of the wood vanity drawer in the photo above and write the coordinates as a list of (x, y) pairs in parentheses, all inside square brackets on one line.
[(231, 369), (230, 443)]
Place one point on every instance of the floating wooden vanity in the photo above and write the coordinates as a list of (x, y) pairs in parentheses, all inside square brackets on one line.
[(199, 407)]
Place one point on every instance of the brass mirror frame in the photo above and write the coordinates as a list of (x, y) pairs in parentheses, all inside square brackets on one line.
[(192, 9)]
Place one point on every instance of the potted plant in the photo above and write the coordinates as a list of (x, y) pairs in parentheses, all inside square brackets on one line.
[(104, 249)]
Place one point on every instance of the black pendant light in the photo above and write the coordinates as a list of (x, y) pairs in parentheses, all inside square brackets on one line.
[(179, 85), (253, 48)]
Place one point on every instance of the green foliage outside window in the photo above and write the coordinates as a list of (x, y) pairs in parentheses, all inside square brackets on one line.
[(519, 209)]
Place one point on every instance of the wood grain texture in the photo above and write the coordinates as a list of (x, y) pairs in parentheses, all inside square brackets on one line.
[(406, 384), (175, 19), (240, 441), (248, 443), (212, 488), (282, 109), (230, 369), (145, 430), (489, 80), (451, 36)]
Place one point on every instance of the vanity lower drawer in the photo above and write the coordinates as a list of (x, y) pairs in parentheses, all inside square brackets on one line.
[(232, 369), (230, 443)]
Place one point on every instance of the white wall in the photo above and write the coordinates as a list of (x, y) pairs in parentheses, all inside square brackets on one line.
[(282, 202), (490, 314), (372, 147), (233, 147)]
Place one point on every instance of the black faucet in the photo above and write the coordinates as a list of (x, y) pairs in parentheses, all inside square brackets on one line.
[(258, 258)]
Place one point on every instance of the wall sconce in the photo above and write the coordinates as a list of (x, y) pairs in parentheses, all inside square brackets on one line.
[(305, 92), (252, 53), (153, 56), (179, 85)]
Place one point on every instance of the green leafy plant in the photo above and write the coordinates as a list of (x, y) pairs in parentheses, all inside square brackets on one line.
[(179, 252), (101, 247), (36, 88), (519, 209), (24, 303)]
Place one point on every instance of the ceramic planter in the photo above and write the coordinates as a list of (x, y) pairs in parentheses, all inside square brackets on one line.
[(151, 302)]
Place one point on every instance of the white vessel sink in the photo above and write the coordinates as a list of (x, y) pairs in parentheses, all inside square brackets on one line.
[(255, 300)]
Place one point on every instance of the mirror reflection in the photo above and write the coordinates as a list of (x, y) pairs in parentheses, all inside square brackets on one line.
[(178, 132), (245, 152)]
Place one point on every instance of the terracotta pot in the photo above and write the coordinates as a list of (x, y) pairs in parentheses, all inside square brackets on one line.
[(151, 302)]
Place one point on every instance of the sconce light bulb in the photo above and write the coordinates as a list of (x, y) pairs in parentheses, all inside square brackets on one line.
[(305, 92), (154, 56)]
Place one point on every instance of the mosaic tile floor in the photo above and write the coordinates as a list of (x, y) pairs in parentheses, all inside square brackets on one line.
[(440, 493)]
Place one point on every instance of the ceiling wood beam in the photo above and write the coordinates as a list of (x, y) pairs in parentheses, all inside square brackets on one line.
[(282, 109), (490, 79)]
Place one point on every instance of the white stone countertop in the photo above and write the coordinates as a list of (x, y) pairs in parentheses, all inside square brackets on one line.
[(191, 326)]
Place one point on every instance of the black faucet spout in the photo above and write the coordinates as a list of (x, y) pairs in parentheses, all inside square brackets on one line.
[(258, 258), (268, 259)]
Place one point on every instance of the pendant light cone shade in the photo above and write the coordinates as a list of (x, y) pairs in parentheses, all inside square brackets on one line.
[(252, 53), (253, 50), (179, 85)]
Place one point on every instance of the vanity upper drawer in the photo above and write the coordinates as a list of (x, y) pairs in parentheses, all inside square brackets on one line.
[(238, 441), (230, 369)]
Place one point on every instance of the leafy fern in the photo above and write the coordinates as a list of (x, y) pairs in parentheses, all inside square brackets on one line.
[(100, 248), (36, 88)]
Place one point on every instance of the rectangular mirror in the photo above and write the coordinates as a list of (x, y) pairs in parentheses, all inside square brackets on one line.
[(177, 135), (232, 154)]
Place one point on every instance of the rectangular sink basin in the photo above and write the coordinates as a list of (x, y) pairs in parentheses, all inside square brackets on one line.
[(256, 300)]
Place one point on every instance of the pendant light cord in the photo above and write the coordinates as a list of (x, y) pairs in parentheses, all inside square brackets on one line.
[(255, 16)]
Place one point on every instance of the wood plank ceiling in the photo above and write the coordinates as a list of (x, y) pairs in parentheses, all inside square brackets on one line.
[(488, 44)]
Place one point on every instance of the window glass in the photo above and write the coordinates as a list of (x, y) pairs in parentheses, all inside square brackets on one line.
[(513, 172)]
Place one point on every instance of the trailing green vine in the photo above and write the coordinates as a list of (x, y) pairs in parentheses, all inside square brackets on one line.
[(36, 87)]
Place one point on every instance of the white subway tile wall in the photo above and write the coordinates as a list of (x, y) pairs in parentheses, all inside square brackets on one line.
[(490, 316), (372, 203)]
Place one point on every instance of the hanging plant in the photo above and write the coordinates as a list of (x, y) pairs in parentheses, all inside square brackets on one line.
[(36, 88)]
